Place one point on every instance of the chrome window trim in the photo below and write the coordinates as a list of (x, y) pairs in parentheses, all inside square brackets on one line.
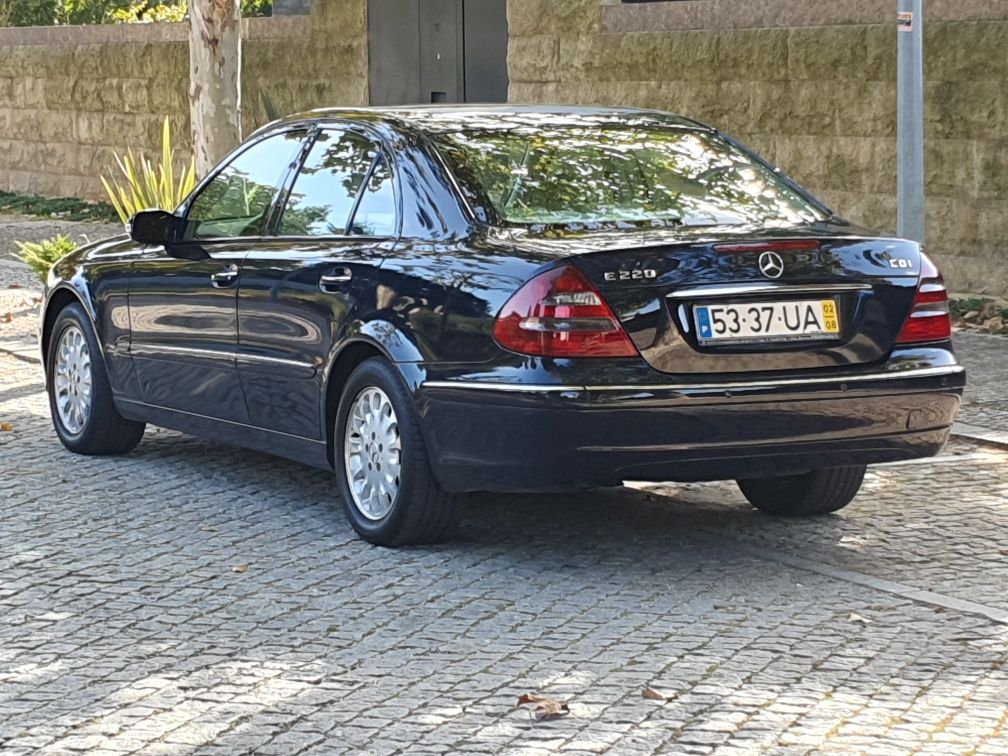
[(728, 290), (366, 241), (760, 384)]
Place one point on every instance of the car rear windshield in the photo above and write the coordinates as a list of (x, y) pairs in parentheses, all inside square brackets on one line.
[(616, 175)]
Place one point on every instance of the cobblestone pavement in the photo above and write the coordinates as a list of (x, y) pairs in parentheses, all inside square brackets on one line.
[(190, 598), (986, 359)]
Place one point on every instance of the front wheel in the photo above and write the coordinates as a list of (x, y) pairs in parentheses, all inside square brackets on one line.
[(80, 396), (813, 493), (389, 492)]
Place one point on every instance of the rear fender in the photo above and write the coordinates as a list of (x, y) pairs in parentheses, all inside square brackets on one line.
[(389, 340), (360, 341)]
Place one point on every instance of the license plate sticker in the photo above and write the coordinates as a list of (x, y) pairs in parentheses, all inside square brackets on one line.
[(807, 319)]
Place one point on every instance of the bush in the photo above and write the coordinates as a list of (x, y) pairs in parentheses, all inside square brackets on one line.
[(40, 256), (64, 208), (970, 308), (256, 8), (61, 12), (27, 12), (150, 186), (144, 12)]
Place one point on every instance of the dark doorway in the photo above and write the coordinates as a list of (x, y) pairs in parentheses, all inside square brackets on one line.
[(423, 51)]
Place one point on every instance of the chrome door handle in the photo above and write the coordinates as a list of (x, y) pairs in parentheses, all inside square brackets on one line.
[(333, 280), (225, 277)]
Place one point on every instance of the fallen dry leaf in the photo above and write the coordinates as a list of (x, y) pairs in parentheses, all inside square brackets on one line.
[(854, 617), (545, 708), (240, 568), (656, 695), (6, 427)]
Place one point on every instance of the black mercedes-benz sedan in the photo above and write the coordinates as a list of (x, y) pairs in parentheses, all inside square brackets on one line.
[(430, 301)]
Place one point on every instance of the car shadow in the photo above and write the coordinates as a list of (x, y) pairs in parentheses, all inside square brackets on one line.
[(17, 392), (653, 525)]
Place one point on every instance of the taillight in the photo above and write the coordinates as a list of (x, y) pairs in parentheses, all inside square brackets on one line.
[(560, 314), (929, 314)]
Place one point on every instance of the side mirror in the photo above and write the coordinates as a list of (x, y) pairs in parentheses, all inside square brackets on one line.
[(155, 227)]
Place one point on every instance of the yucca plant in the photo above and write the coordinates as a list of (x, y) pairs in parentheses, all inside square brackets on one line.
[(147, 185), (40, 256)]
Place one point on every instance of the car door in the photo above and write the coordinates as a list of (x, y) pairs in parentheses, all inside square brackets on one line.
[(338, 221), (182, 300)]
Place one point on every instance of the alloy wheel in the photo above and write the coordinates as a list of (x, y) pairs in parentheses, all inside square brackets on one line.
[(72, 380), (372, 453)]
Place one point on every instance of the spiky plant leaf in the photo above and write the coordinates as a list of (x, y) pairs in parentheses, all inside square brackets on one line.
[(148, 185)]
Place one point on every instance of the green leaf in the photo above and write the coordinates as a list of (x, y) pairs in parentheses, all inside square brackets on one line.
[(149, 185), (40, 256)]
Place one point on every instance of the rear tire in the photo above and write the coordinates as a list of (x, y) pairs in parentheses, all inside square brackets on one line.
[(80, 396), (389, 492), (814, 493)]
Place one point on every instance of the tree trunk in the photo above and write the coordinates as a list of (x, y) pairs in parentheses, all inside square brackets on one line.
[(214, 79)]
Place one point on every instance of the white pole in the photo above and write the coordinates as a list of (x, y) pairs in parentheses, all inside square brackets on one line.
[(910, 120)]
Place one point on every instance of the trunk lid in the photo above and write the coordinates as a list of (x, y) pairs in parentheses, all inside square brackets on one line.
[(657, 282)]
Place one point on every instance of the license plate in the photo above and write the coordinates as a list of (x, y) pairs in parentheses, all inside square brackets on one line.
[(768, 321)]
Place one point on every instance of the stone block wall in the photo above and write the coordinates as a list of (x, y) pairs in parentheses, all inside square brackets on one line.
[(71, 98), (811, 85), (818, 100)]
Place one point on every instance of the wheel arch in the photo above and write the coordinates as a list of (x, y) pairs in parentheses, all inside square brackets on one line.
[(57, 301), (352, 352)]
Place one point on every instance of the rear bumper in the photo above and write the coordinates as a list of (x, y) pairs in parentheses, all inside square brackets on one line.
[(511, 437)]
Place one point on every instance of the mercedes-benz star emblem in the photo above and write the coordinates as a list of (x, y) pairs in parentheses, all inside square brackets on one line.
[(771, 265)]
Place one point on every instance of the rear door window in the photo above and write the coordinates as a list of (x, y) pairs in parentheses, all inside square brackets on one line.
[(376, 213), (342, 172)]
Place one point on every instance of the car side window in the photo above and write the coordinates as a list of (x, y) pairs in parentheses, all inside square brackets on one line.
[(376, 212), (237, 201), (326, 188)]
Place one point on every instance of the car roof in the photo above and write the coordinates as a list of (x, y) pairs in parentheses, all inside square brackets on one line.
[(440, 119)]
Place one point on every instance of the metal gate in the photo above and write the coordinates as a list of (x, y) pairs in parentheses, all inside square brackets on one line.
[(423, 51)]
